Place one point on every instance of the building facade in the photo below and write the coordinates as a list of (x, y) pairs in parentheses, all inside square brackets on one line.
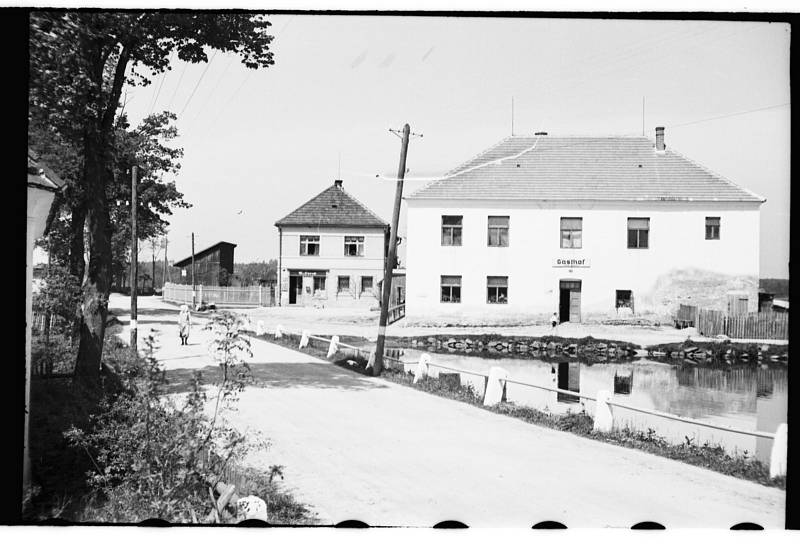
[(332, 252), (209, 265), (583, 227)]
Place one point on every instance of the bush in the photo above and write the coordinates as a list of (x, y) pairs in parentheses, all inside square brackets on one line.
[(154, 456)]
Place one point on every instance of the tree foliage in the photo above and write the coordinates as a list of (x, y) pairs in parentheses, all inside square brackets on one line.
[(79, 63)]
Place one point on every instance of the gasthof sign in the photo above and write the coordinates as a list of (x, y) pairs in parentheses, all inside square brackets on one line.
[(571, 263)]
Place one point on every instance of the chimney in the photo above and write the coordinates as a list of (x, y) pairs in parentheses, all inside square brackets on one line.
[(660, 147), (337, 182)]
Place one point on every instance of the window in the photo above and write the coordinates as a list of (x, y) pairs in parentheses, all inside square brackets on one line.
[(624, 299), (571, 232), (354, 246), (498, 231), (712, 228), (451, 288), (497, 287), (344, 284), (319, 283), (309, 245), (638, 232), (366, 284), (451, 230)]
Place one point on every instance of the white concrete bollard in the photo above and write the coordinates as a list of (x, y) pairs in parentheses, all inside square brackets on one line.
[(278, 331), (251, 507), (422, 367), (777, 459), (260, 328), (371, 359), (603, 417), (334, 347), (494, 387), (304, 339)]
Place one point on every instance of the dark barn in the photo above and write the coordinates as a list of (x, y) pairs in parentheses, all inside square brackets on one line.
[(209, 265)]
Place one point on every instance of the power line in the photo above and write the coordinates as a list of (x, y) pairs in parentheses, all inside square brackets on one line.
[(178, 86), (729, 115), (161, 84), (198, 84)]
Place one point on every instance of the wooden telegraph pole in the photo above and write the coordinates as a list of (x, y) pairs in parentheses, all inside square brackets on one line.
[(164, 278), (134, 261), (194, 293), (392, 258)]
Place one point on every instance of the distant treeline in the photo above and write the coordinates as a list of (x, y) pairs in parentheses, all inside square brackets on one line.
[(247, 274), (778, 287)]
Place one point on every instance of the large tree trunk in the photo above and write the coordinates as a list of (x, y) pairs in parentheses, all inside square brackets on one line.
[(77, 265), (96, 287)]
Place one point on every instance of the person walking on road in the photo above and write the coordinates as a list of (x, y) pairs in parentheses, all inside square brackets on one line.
[(184, 324)]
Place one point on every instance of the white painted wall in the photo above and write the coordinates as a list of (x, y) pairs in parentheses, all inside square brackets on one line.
[(677, 241), (333, 259)]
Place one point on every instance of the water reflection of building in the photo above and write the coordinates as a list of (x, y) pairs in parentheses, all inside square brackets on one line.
[(623, 381), (771, 406), (569, 378)]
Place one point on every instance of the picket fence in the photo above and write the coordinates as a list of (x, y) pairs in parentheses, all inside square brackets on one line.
[(227, 296), (755, 325)]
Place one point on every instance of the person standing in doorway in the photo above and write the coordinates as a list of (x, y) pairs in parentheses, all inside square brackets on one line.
[(184, 324), (554, 320)]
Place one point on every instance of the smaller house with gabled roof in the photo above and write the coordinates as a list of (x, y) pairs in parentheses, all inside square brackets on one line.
[(332, 252)]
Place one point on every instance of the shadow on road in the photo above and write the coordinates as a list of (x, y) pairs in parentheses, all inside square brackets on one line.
[(280, 375)]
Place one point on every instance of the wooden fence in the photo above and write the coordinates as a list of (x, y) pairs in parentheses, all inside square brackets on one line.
[(755, 325), (224, 296)]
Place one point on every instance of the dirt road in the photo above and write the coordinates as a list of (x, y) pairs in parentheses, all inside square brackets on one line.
[(361, 448)]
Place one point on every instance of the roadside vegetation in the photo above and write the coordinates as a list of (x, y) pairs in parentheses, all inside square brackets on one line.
[(126, 451), (706, 455)]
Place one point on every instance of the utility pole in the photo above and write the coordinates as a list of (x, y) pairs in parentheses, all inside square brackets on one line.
[(164, 278), (392, 258), (194, 293), (134, 260)]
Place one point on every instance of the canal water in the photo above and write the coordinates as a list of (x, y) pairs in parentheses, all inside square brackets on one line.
[(743, 397)]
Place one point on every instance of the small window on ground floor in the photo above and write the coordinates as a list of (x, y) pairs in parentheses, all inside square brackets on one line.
[(366, 284), (344, 284), (451, 288), (319, 283), (624, 299), (497, 289)]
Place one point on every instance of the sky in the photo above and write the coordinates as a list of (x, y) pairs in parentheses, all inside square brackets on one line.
[(258, 144)]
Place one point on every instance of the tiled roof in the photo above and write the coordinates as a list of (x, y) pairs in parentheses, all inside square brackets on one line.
[(582, 168), (333, 207)]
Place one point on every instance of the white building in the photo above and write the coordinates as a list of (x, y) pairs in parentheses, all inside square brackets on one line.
[(580, 226), (332, 252)]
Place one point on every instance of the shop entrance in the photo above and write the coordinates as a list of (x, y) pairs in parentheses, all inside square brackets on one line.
[(569, 302), (295, 285)]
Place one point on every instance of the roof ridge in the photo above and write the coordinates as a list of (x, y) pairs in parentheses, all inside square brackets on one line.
[(716, 174)]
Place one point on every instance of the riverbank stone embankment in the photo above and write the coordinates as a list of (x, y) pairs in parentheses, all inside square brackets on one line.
[(724, 352), (521, 346)]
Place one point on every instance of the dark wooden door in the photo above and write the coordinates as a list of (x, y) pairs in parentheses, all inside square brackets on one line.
[(575, 306), (563, 306)]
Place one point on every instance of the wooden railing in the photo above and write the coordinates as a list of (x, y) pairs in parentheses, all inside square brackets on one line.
[(396, 313)]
